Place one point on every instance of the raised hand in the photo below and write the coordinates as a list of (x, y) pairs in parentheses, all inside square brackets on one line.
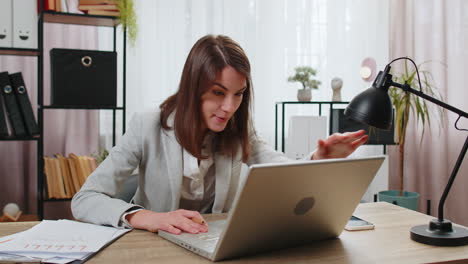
[(340, 145), (174, 222)]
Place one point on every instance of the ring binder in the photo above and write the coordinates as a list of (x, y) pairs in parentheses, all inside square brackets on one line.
[(11, 104), (24, 103), (3, 125)]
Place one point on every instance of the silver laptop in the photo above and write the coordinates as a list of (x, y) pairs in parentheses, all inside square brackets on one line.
[(284, 205)]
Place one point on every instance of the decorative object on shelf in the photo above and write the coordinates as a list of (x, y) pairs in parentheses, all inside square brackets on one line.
[(374, 107), (11, 212), (336, 85), (368, 69), (24, 24), (128, 18), (304, 95), (305, 75), (6, 24), (83, 78)]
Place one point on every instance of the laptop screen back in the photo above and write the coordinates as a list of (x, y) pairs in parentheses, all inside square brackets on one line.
[(283, 205)]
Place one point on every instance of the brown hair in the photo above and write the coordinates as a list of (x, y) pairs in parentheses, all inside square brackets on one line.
[(209, 56)]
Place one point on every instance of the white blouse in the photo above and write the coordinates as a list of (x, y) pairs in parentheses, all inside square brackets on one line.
[(198, 184)]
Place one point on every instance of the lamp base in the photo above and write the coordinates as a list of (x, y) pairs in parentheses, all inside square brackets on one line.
[(440, 233)]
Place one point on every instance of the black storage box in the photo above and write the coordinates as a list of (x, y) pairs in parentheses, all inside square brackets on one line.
[(83, 78), (377, 136)]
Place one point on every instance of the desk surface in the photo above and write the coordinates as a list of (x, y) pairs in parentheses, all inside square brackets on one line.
[(389, 243)]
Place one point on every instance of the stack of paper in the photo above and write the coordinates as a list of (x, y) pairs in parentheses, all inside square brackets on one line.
[(61, 241)]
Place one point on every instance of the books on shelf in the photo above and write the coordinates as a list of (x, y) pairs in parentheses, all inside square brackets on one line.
[(90, 7), (99, 7), (64, 6), (112, 7), (96, 2), (103, 12), (65, 175)]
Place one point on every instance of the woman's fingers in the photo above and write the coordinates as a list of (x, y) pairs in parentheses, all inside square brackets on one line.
[(182, 219), (187, 225), (170, 229), (194, 215), (349, 137), (357, 143), (340, 145)]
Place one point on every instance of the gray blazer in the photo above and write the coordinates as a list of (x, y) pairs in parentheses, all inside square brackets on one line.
[(159, 159)]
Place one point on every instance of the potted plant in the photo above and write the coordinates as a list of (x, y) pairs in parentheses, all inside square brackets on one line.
[(404, 103), (128, 19), (305, 75), (100, 155)]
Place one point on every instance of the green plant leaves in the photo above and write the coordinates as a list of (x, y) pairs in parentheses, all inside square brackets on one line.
[(304, 75), (128, 19), (405, 102), (418, 106)]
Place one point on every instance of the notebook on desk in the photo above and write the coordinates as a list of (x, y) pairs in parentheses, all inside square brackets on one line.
[(285, 205)]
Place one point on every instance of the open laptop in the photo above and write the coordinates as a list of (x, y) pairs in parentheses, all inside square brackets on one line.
[(284, 205)]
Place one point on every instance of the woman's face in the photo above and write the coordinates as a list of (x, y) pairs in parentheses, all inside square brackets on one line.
[(222, 99)]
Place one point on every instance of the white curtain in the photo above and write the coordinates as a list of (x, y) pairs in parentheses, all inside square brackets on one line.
[(436, 31), (333, 36)]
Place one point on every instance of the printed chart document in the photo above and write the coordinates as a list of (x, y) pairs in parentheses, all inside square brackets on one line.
[(60, 241)]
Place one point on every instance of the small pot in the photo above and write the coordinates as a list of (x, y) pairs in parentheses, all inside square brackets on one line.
[(304, 95), (408, 199)]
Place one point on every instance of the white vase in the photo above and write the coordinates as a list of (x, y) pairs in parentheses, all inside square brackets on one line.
[(336, 85), (304, 95)]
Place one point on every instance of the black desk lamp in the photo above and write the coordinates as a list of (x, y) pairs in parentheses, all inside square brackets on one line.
[(373, 107)]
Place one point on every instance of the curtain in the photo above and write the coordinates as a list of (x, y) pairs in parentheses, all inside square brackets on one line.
[(65, 131), (434, 31)]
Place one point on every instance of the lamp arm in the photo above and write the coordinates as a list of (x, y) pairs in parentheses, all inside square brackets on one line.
[(451, 180), (407, 88)]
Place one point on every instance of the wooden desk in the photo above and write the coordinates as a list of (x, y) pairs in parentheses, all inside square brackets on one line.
[(389, 243)]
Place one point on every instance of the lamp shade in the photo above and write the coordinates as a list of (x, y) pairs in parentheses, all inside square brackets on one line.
[(372, 107)]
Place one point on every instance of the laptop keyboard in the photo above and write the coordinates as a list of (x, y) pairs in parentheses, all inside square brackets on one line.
[(206, 241), (209, 237)]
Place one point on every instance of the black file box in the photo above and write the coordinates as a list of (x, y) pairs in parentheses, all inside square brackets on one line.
[(377, 136), (83, 78)]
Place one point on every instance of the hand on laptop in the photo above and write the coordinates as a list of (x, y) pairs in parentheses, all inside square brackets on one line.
[(340, 145), (174, 222)]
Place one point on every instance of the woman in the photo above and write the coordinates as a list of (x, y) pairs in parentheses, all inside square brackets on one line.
[(189, 155)]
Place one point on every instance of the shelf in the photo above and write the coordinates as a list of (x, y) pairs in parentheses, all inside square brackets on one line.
[(22, 218), (81, 107), (39, 53), (19, 51), (80, 19), (26, 138)]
